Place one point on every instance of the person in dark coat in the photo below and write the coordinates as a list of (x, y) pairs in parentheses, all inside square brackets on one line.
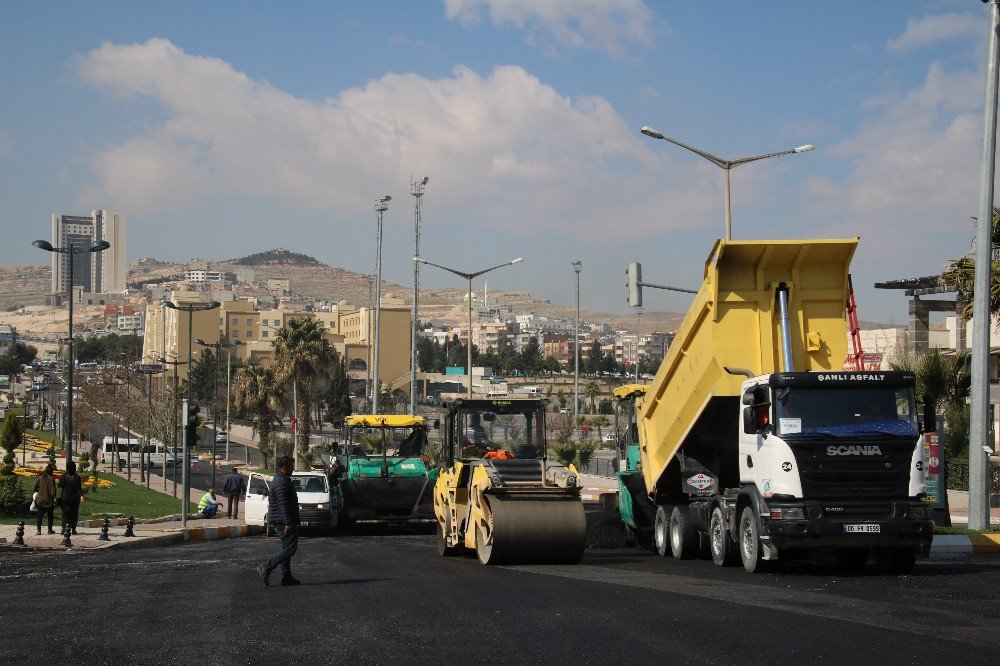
[(45, 497), (233, 488), (70, 495), (283, 513)]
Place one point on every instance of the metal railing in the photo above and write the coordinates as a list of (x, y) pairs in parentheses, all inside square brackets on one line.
[(958, 476)]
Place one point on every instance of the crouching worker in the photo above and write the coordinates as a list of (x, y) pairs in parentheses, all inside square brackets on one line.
[(208, 505)]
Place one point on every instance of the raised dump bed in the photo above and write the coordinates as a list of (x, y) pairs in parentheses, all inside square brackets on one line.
[(734, 322)]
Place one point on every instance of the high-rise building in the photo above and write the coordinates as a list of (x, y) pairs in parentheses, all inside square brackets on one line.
[(97, 272)]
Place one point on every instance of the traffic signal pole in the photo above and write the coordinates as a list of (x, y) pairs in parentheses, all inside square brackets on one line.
[(185, 479)]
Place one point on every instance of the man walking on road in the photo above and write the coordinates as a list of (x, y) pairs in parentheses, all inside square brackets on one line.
[(233, 488), (283, 513)]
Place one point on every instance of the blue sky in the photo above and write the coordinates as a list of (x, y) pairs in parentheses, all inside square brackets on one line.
[(230, 127)]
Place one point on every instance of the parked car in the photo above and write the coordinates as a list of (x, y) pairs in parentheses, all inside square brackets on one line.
[(221, 437), (315, 506), (610, 438)]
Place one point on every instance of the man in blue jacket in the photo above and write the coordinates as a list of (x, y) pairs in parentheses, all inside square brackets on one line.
[(283, 513)]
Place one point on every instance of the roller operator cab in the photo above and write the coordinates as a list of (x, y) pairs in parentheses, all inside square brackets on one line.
[(498, 494), (388, 475)]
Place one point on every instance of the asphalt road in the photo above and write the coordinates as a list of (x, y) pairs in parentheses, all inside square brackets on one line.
[(385, 598)]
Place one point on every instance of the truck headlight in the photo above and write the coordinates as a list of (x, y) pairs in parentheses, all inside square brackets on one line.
[(788, 513), (323, 507), (919, 511)]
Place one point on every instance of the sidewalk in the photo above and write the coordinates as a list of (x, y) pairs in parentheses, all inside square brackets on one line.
[(146, 534)]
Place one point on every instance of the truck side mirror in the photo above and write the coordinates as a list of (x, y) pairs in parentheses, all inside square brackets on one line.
[(930, 414), (748, 424)]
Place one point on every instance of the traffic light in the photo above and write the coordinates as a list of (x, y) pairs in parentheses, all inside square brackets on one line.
[(634, 274), (191, 423)]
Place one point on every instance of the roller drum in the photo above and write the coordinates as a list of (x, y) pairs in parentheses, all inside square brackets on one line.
[(533, 531)]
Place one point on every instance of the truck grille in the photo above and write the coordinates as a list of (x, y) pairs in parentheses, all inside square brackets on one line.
[(884, 476)]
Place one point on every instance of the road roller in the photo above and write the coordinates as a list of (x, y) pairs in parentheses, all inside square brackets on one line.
[(388, 476), (498, 494)]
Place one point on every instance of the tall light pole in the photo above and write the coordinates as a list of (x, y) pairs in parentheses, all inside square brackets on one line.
[(577, 267), (381, 205), (229, 393), (368, 349), (190, 308), (218, 347), (173, 418), (417, 190), (149, 370), (469, 277), (979, 443), (70, 251), (725, 165)]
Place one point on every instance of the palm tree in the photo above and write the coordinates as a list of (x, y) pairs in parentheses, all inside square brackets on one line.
[(303, 359), (592, 391), (254, 393), (960, 275), (948, 380)]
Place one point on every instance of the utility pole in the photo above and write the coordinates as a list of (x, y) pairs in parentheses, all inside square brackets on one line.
[(979, 442), (577, 267), (381, 205), (417, 190)]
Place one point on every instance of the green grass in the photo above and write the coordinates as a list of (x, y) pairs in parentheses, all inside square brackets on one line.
[(126, 498), (46, 436), (957, 530)]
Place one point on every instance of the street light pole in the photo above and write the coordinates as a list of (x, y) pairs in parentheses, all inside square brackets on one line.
[(218, 347), (381, 205), (149, 371), (417, 190), (469, 277), (577, 267), (191, 308), (979, 411), (725, 165), (71, 250)]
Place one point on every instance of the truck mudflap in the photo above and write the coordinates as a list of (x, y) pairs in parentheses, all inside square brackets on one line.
[(826, 525)]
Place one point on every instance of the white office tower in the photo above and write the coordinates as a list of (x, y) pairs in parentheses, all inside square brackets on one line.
[(96, 272)]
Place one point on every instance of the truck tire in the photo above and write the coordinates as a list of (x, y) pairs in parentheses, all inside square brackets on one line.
[(725, 552), (751, 549), (895, 560), (661, 529), (683, 537)]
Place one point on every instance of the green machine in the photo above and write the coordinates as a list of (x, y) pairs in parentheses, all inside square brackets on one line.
[(388, 476)]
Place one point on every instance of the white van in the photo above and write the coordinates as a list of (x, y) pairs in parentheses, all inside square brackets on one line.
[(129, 452), (313, 489)]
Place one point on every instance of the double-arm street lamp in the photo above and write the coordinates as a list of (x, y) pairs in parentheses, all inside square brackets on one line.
[(190, 308), (381, 205), (469, 277), (577, 267), (173, 417), (218, 347), (70, 251), (149, 370), (725, 165)]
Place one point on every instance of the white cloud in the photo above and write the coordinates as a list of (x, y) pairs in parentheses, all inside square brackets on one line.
[(6, 147), (912, 176), (926, 30), (504, 149), (604, 25)]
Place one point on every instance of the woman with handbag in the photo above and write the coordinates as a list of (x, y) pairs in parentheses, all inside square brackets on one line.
[(45, 497), (70, 496)]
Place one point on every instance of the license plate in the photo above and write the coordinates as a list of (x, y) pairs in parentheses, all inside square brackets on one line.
[(863, 528)]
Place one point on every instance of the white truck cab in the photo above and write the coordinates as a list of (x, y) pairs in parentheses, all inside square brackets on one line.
[(313, 490)]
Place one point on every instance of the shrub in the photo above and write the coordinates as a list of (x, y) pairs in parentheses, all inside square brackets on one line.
[(565, 452), (13, 498)]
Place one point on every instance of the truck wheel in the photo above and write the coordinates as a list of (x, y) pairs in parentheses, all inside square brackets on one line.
[(683, 537), (661, 529), (751, 550), (895, 560), (851, 558), (724, 549)]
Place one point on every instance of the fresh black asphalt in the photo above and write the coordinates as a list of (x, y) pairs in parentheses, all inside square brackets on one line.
[(389, 598)]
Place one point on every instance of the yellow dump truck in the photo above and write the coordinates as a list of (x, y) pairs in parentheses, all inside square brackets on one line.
[(752, 443)]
